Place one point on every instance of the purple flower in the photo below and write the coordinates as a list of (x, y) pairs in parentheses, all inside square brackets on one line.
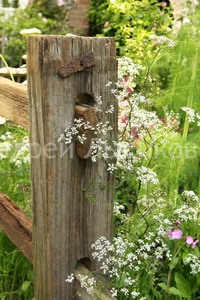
[(175, 234)]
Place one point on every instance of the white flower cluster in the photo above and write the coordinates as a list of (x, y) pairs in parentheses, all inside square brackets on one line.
[(190, 195), (102, 247), (128, 67), (118, 208), (23, 153), (162, 40), (194, 262), (146, 175), (190, 113), (124, 254), (5, 144), (185, 213), (88, 283), (18, 152), (76, 132)]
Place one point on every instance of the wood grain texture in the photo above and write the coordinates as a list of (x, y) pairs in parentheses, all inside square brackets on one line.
[(16, 225), (14, 102), (65, 222)]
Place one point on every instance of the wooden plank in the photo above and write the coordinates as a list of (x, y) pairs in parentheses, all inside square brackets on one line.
[(65, 222), (16, 225), (14, 71), (14, 102)]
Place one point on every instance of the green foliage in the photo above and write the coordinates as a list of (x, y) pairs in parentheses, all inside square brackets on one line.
[(182, 88), (49, 21), (14, 164), (16, 272), (131, 23)]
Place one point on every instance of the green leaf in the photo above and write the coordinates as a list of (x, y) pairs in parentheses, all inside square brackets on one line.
[(182, 285), (173, 263), (174, 291), (25, 285), (163, 286), (184, 257)]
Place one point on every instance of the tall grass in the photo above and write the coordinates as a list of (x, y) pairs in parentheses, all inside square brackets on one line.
[(183, 90)]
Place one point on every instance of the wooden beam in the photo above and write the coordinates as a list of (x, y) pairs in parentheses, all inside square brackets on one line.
[(14, 102), (16, 225)]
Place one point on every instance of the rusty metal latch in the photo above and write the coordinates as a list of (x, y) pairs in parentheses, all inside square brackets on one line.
[(77, 65)]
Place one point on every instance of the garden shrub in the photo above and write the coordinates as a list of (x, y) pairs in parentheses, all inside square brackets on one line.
[(130, 23)]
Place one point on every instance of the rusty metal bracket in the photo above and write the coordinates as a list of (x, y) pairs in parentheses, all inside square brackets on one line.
[(77, 65)]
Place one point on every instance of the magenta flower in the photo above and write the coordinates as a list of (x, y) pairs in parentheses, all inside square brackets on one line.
[(175, 234)]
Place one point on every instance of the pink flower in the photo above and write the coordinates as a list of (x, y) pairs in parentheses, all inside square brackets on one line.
[(190, 241), (127, 78), (134, 132), (163, 4), (129, 90), (124, 119), (175, 234), (194, 243), (177, 222), (106, 24)]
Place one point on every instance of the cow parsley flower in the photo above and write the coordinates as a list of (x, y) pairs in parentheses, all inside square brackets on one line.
[(162, 40), (146, 175)]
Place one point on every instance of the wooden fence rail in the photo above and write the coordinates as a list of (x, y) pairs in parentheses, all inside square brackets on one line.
[(14, 102), (60, 70), (16, 225)]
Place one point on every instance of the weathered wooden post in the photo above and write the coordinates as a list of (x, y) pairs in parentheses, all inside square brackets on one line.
[(65, 221)]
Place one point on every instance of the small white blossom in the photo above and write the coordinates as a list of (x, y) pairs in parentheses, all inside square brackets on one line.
[(190, 113), (70, 278)]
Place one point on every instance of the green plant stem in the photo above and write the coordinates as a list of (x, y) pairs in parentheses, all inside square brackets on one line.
[(169, 276), (5, 63), (191, 92)]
